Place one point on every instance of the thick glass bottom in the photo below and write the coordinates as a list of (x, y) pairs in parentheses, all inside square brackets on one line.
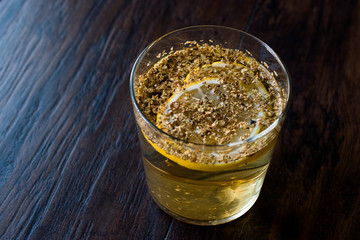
[(208, 222)]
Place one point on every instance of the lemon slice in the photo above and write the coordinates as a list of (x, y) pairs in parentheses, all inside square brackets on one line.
[(208, 89), (197, 92)]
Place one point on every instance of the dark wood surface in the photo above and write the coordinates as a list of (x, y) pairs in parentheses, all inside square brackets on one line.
[(70, 163)]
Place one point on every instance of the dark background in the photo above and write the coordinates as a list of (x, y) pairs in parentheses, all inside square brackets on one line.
[(70, 163)]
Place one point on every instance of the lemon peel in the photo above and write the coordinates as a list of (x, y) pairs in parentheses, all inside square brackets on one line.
[(195, 165)]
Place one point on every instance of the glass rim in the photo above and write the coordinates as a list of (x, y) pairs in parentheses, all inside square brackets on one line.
[(201, 27)]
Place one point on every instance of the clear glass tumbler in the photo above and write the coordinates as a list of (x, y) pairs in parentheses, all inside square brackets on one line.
[(206, 197)]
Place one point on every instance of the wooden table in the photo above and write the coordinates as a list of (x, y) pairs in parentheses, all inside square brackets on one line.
[(70, 163)]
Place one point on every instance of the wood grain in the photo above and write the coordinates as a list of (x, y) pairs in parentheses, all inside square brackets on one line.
[(319, 152), (69, 153)]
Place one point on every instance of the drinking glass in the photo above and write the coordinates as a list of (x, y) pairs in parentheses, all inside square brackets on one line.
[(204, 197)]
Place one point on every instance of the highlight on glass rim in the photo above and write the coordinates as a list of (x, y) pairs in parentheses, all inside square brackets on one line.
[(209, 102)]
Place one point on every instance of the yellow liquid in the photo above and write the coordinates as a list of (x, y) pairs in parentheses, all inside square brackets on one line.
[(199, 197)]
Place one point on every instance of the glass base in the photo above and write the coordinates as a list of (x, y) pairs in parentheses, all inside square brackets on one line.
[(207, 222)]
